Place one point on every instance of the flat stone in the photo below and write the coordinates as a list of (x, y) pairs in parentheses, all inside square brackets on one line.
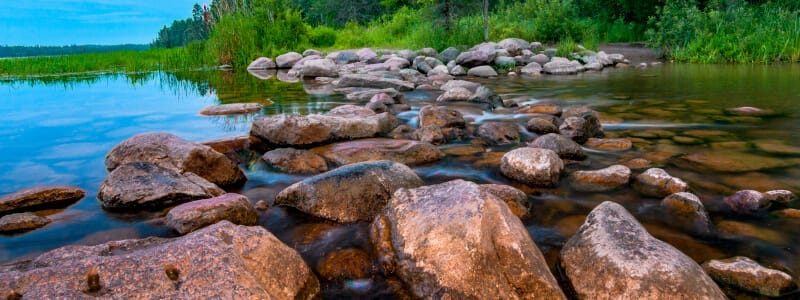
[(194, 215), (295, 161), (532, 166), (606, 179), (550, 109), (370, 81), (735, 229), (407, 152), (746, 274), (231, 109), (457, 241), (355, 192), (609, 144), (20, 222), (222, 261), (469, 85), (729, 161), (32, 198), (613, 257), (658, 183), (776, 147)]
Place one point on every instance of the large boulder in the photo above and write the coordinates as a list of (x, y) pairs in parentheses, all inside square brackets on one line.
[(194, 215), (581, 123), (532, 166), (367, 55), (658, 183), (320, 68), (563, 146), (440, 116), (613, 257), (475, 58), (457, 241), (607, 179), (514, 46), (262, 63), (532, 69), (287, 61), (355, 192), (143, 185), (223, 261), (746, 274), (407, 152), (561, 66), (295, 161), (32, 198), (499, 132), (482, 71), (449, 54), (169, 151), (371, 81)]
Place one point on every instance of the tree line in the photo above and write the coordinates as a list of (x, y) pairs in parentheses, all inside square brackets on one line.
[(28, 51)]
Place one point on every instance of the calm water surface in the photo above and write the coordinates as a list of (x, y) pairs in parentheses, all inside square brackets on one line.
[(57, 131)]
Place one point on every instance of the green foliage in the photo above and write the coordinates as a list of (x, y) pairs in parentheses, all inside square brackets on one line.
[(28, 51), (121, 61), (727, 32), (322, 36), (566, 47)]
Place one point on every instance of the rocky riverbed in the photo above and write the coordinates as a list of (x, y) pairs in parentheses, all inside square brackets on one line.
[(425, 185)]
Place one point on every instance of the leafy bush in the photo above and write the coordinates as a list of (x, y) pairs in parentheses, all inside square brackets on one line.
[(322, 36)]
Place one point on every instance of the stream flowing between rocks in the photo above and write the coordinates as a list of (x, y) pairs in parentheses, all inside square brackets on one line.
[(57, 131)]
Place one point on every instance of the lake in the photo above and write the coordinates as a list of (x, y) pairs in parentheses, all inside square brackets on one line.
[(57, 130)]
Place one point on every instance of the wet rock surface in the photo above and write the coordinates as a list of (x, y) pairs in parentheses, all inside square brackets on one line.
[(613, 256), (440, 116), (658, 183), (355, 192), (32, 198), (746, 274), (407, 152), (515, 199), (499, 132), (296, 161), (455, 240), (561, 145), (731, 162), (231, 109), (532, 166), (220, 261), (20, 222), (607, 179), (194, 215), (688, 212)]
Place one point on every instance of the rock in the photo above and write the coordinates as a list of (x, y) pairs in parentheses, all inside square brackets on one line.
[(541, 126), (407, 54), (613, 257), (580, 124), (561, 145), (36, 197), (439, 70), (532, 69), (222, 261), (320, 68), (499, 132), (367, 55), (746, 201), (296, 161), (514, 46), (262, 63), (343, 57), (231, 109), (194, 215), (341, 123), (601, 180), (593, 66), (449, 54), (458, 71), (469, 85), (142, 185), (776, 147), (657, 183), (548, 109), (688, 212), (638, 164), (403, 151), (261, 205), (749, 111), (455, 240), (431, 134), (20, 222), (363, 95), (731, 161), (532, 166), (440, 116), (310, 52), (482, 71), (396, 63), (355, 192), (487, 96), (169, 151), (472, 59), (429, 52), (455, 94), (561, 66), (609, 144), (540, 59), (371, 81), (350, 263), (287, 61), (746, 274), (778, 196), (515, 199)]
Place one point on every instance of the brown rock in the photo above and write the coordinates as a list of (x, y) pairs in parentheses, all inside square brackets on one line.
[(231, 109), (296, 161), (499, 132), (613, 257), (561, 145), (532, 166), (609, 144), (516, 200), (601, 180), (222, 261), (348, 263), (550, 109), (194, 215), (431, 134), (455, 94), (688, 212), (341, 123), (403, 151), (140, 185), (727, 161), (541, 126), (740, 229), (440, 116), (746, 274), (657, 183), (169, 151), (21, 222), (371, 81), (457, 241), (355, 192), (638, 164), (580, 124), (32, 198)]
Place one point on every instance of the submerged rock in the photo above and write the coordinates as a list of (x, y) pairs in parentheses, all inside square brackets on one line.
[(746, 274), (355, 192), (169, 151), (532, 166), (220, 261), (231, 109), (194, 215), (22, 222), (727, 161), (658, 183), (561, 145), (746, 201), (613, 257), (601, 180), (370, 81), (609, 144), (32, 198), (295, 161), (688, 212), (455, 240), (142, 185), (407, 152)]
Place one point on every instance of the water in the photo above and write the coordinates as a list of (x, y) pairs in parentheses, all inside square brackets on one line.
[(57, 131)]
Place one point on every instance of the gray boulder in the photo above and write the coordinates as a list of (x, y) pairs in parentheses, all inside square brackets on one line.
[(407, 152), (561, 66), (532, 69), (371, 81), (532, 166), (262, 63), (449, 54), (320, 68), (194, 215), (482, 71), (287, 61), (561, 145)]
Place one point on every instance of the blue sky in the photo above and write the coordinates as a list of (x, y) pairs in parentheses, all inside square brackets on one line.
[(103, 22)]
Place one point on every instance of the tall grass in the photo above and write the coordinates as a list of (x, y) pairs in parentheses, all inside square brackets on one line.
[(123, 61)]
